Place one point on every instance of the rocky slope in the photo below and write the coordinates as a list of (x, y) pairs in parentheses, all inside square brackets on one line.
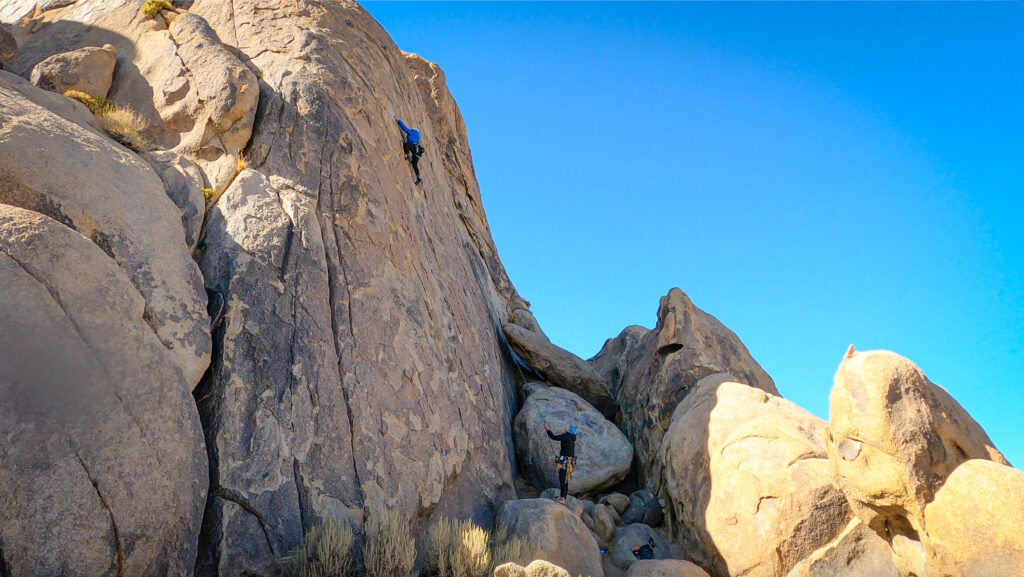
[(235, 317)]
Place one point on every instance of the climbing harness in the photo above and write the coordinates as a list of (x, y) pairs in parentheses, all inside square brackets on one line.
[(569, 463)]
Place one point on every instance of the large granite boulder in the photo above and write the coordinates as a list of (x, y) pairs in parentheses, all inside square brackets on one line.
[(556, 532), (637, 535), (612, 362), (747, 480), (658, 369), (665, 568), (89, 70), (560, 367), (894, 439), (102, 466), (975, 525), (857, 550), (106, 193), (603, 455)]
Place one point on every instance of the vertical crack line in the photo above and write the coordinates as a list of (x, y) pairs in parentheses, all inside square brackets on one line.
[(300, 489), (229, 495), (110, 513)]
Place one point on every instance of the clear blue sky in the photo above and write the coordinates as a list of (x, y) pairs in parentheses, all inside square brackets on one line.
[(813, 175)]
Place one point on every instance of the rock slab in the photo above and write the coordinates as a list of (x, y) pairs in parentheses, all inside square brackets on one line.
[(89, 70)]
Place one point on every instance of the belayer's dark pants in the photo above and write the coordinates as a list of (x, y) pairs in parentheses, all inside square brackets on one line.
[(412, 149), (563, 483)]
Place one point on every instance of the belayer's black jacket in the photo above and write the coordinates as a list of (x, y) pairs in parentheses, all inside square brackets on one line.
[(568, 441)]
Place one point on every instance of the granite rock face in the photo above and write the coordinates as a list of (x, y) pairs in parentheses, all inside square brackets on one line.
[(894, 439), (603, 455), (857, 550), (102, 467), (747, 481), (657, 369)]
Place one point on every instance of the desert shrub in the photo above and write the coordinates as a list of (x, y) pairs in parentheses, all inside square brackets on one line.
[(472, 551), (457, 549), (389, 549), (208, 194), (240, 163), (326, 551), (507, 548), (96, 104), (153, 7), (124, 126)]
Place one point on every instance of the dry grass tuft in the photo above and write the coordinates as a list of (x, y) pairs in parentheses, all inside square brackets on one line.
[(153, 7), (506, 548), (124, 126), (240, 163), (209, 194), (326, 551), (389, 549), (472, 554), (96, 104)]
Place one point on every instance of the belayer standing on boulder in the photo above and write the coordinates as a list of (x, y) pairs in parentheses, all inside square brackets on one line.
[(411, 147), (566, 458)]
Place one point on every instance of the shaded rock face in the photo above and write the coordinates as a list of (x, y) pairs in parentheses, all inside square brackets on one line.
[(747, 481), (637, 535), (560, 367), (658, 369), (184, 182), (8, 45), (894, 439), (974, 525), (109, 195), (602, 452), (558, 534), (89, 70), (102, 467), (644, 507), (857, 550)]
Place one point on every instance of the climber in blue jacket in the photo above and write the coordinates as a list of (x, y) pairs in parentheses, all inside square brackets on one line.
[(411, 147)]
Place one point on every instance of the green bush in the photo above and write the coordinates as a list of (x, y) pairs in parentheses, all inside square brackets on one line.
[(326, 551), (389, 549)]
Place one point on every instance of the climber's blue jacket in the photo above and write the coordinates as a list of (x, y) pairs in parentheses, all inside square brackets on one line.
[(412, 136)]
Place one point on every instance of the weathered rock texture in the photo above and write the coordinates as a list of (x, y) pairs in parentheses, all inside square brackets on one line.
[(748, 482), (560, 367), (102, 464), (558, 534), (658, 369), (87, 182), (602, 452), (975, 525), (894, 439), (358, 357), (89, 70), (184, 182), (856, 551), (8, 45)]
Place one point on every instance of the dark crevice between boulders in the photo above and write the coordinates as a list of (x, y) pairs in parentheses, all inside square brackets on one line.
[(5, 569), (236, 498), (110, 513)]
